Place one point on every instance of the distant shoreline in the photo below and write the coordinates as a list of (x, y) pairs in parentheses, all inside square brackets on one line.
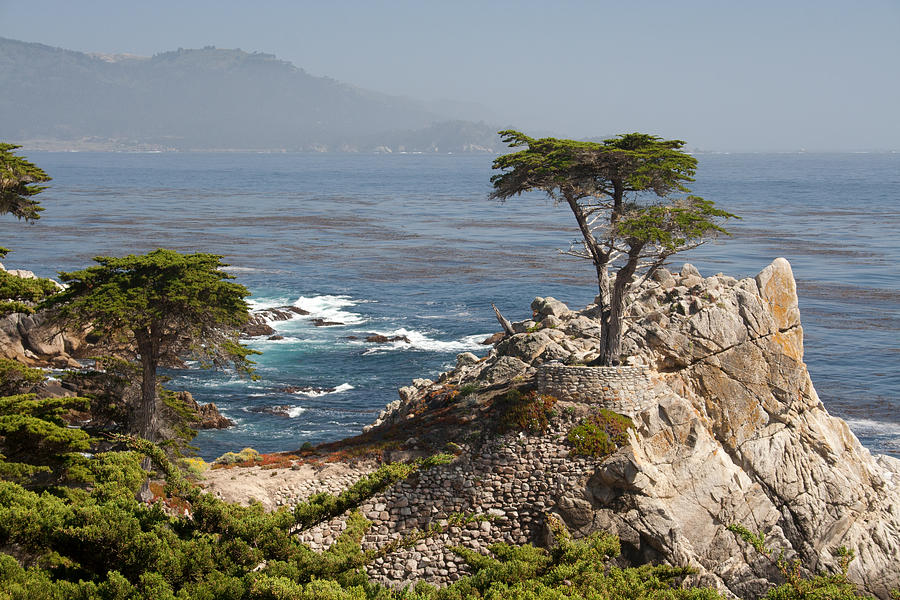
[(44, 145)]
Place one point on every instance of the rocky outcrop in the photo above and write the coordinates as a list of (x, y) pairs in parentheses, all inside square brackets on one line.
[(258, 323), (377, 338), (728, 429), (32, 340), (211, 418)]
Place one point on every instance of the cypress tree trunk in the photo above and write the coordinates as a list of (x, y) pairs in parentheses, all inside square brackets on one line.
[(611, 338), (146, 416), (603, 285)]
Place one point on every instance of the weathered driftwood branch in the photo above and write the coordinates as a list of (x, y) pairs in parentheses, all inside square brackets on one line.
[(507, 326)]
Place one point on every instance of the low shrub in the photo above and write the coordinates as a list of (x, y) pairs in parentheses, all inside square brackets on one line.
[(834, 586), (16, 378), (194, 466), (467, 389), (232, 458), (600, 434), (530, 412)]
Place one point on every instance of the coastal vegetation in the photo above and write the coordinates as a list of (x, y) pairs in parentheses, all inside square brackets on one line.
[(529, 412), (605, 184), (159, 309), (19, 181), (21, 294), (71, 525), (600, 434)]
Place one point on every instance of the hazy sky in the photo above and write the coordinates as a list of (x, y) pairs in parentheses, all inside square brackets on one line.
[(720, 74)]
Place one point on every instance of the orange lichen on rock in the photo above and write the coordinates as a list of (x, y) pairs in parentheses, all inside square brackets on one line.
[(779, 289)]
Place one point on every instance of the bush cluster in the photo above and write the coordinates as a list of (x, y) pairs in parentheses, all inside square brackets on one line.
[(247, 455), (72, 528), (529, 412), (16, 378), (19, 295), (600, 434)]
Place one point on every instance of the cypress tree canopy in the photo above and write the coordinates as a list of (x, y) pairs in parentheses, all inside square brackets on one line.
[(17, 184), (161, 308)]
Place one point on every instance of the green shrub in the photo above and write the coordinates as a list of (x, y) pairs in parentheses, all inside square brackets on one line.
[(16, 378), (833, 586), (8, 307), (244, 456), (18, 293), (600, 434), (570, 570), (529, 412), (467, 389), (194, 465), (37, 448)]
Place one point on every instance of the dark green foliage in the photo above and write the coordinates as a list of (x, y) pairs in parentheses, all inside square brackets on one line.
[(467, 389), (177, 299), (17, 184), (36, 446), (671, 227), (160, 308), (571, 570), (111, 387), (89, 543), (822, 586), (16, 378), (632, 162), (18, 294), (600, 434), (528, 412)]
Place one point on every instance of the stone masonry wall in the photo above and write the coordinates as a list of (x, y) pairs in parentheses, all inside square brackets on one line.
[(513, 479), (620, 389)]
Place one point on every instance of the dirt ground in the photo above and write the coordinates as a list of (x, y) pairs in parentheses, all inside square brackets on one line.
[(276, 487)]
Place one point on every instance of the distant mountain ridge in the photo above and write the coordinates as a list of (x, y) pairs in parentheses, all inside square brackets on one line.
[(208, 99)]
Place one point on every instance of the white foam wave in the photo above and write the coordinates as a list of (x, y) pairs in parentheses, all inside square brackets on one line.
[(330, 308), (257, 304), (284, 340), (319, 393), (295, 411), (420, 341), (870, 427)]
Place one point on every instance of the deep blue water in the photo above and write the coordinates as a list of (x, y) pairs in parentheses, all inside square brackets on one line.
[(410, 244)]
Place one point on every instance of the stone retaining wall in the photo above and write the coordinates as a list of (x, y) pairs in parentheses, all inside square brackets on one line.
[(625, 390), (515, 479)]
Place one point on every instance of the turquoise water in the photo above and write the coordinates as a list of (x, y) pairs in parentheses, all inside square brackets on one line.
[(410, 245)]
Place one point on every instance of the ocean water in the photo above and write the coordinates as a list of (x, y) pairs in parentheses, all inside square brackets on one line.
[(410, 245)]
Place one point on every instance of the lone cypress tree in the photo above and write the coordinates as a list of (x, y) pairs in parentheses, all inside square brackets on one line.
[(629, 197), (161, 307)]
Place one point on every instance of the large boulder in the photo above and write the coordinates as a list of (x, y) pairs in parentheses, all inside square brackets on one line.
[(529, 346), (35, 341), (734, 433), (549, 306)]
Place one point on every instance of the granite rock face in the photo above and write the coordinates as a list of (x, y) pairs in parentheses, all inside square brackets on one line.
[(728, 429), (31, 340)]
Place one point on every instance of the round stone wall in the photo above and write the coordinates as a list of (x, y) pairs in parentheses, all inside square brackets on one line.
[(625, 390)]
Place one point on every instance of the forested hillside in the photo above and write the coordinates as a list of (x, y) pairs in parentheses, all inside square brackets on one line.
[(206, 99)]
